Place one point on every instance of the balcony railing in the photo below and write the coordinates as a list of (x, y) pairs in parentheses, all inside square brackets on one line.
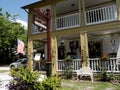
[(95, 16), (68, 21), (104, 14), (95, 64)]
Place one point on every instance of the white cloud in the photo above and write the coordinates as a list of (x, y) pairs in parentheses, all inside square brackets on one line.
[(24, 23)]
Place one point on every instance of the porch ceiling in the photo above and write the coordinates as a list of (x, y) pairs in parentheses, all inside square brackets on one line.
[(95, 33), (72, 5), (100, 33)]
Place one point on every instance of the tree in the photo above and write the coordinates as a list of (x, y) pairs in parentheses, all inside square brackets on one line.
[(9, 32)]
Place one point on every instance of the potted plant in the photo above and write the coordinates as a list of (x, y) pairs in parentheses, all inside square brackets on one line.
[(105, 57), (68, 58)]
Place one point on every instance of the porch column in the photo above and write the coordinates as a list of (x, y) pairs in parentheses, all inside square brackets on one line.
[(30, 54), (83, 14), (54, 54), (80, 12), (118, 9), (53, 6), (84, 49), (29, 41)]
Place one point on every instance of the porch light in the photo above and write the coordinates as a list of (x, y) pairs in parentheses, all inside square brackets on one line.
[(62, 41), (72, 4)]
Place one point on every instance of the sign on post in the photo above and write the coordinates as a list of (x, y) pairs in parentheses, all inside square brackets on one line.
[(42, 20), (37, 56)]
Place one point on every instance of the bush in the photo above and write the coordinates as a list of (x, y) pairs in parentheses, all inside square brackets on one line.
[(68, 72), (105, 75), (51, 83), (25, 79), (109, 76)]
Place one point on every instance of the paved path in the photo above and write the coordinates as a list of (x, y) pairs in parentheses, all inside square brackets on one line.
[(4, 68), (4, 78)]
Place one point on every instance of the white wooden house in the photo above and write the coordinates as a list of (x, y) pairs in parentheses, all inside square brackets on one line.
[(84, 29)]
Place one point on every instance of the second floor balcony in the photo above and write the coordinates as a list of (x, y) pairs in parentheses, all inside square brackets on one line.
[(93, 16)]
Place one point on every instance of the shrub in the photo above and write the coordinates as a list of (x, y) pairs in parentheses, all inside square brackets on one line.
[(68, 72), (105, 75), (25, 79), (51, 83)]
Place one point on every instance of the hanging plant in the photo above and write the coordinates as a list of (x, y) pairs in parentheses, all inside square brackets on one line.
[(105, 57)]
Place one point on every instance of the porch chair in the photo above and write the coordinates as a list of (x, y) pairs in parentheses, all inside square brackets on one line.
[(85, 71)]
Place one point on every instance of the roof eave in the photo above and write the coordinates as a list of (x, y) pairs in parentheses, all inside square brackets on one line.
[(36, 4)]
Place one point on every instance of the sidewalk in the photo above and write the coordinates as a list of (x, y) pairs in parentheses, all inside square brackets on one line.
[(4, 68), (4, 77)]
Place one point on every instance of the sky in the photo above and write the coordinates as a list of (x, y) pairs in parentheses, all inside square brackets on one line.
[(14, 8)]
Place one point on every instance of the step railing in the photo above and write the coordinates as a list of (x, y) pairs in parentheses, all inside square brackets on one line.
[(104, 14)]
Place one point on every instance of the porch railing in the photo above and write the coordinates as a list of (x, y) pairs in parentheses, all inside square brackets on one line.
[(68, 21), (95, 64), (109, 65), (76, 64), (104, 14)]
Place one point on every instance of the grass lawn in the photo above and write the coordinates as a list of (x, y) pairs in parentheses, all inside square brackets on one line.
[(87, 85)]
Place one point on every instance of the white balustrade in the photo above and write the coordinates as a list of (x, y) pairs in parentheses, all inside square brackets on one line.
[(94, 16), (76, 64), (104, 14), (95, 64), (68, 21), (98, 65)]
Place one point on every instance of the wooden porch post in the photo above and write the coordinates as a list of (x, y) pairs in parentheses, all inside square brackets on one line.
[(53, 12), (29, 41), (83, 15), (30, 54), (84, 49), (80, 12), (118, 9), (54, 54)]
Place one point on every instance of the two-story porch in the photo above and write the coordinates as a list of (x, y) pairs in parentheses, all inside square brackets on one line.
[(85, 29)]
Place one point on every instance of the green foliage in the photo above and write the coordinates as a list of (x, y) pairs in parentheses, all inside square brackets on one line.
[(105, 75), (38, 46), (25, 79), (68, 67), (68, 58), (68, 72), (9, 32), (113, 77), (51, 83)]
